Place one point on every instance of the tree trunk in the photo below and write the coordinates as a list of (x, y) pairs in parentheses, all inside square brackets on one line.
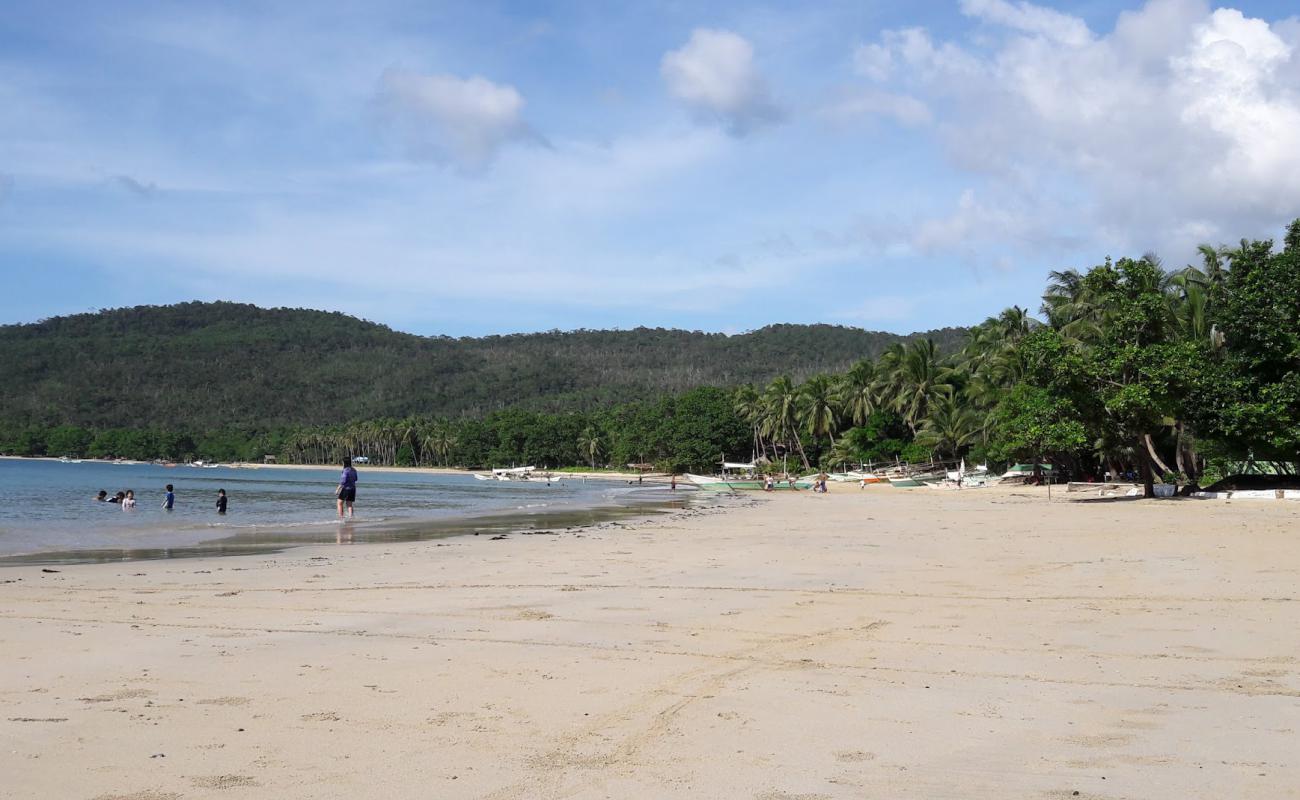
[(1144, 469), (1151, 450), (1193, 461), (802, 454), (1178, 448)]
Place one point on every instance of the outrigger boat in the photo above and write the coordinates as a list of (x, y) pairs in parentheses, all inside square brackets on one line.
[(747, 479), (518, 474)]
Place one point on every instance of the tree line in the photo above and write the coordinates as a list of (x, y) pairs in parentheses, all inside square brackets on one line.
[(1176, 375), (208, 366)]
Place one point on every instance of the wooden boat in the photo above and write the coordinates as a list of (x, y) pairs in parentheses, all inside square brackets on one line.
[(748, 480), (715, 484), (518, 474)]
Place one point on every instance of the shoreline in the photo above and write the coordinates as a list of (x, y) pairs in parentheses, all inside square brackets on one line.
[(272, 540), (649, 476)]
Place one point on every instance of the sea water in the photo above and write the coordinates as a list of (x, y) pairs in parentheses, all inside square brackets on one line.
[(48, 509)]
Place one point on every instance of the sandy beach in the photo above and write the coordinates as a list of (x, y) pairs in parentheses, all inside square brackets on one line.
[(877, 643)]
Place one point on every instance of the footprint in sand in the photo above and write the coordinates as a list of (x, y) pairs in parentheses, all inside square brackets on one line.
[(124, 694), (850, 756), (223, 781), (225, 701)]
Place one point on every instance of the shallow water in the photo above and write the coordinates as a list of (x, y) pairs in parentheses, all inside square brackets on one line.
[(48, 511)]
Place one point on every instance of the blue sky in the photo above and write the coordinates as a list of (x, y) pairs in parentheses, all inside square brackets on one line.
[(472, 168)]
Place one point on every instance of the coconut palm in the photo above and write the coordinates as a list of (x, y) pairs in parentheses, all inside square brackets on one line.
[(749, 406), (1013, 324), (949, 427), (781, 414), (1070, 306), (439, 439), (819, 406), (919, 378), (590, 444), (857, 392)]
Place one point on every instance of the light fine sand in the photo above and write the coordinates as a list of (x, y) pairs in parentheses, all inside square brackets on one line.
[(866, 644)]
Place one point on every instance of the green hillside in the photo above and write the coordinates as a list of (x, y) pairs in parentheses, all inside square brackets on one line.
[(200, 366)]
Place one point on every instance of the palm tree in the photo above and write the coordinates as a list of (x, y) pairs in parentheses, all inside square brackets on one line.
[(1212, 270), (749, 407), (857, 392), (439, 438), (919, 379), (887, 373), (781, 414), (590, 444), (1013, 324), (819, 406), (949, 427), (1070, 307)]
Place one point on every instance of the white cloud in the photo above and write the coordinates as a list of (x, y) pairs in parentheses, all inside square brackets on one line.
[(714, 74), (902, 108), (915, 52), (446, 118), (875, 61), (1180, 120), (1030, 18)]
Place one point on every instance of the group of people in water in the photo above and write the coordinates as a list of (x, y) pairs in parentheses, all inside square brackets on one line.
[(345, 494), (126, 499)]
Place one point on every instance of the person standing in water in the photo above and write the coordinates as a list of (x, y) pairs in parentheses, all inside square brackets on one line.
[(347, 489), (170, 499), (221, 501), (128, 502)]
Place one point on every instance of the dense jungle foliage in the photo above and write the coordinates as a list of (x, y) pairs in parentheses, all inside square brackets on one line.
[(1169, 374), (201, 367)]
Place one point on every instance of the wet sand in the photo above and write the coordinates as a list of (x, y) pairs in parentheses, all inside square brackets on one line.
[(877, 643)]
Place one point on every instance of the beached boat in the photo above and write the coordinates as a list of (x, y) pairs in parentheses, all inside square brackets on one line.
[(747, 479), (964, 478), (716, 484), (910, 481), (1027, 471)]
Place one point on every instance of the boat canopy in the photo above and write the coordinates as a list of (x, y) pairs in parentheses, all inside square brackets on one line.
[(1026, 469), (738, 465)]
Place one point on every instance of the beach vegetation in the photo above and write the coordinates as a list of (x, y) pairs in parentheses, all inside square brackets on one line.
[(1130, 368)]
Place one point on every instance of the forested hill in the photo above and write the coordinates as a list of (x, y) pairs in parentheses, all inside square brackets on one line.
[(211, 365)]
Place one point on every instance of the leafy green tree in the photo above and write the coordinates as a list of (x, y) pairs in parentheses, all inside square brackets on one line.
[(68, 440), (1250, 400), (1032, 423)]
